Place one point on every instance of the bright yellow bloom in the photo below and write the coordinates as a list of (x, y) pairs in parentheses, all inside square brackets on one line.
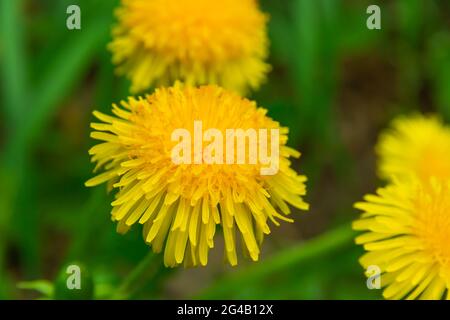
[(415, 145), (181, 204), (407, 236), (157, 42)]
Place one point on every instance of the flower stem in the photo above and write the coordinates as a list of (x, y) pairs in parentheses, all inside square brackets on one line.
[(297, 254), (138, 277)]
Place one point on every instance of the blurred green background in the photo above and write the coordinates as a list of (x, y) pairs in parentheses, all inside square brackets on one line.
[(335, 83)]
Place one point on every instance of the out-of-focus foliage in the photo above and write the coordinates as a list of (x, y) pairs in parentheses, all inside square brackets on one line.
[(334, 83)]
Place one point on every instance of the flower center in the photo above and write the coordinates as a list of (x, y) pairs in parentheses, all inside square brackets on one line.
[(198, 30), (433, 221), (433, 162)]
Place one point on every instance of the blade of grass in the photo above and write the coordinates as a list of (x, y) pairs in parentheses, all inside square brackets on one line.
[(88, 223), (411, 17), (14, 90), (306, 38), (316, 35), (438, 70), (89, 219), (137, 278), (56, 82), (61, 76), (13, 62), (26, 222)]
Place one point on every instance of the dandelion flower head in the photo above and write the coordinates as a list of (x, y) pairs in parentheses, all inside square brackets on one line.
[(407, 235), (224, 42), (418, 145), (180, 205)]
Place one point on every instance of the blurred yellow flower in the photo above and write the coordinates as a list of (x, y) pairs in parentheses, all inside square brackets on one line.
[(407, 235), (181, 204), (157, 42), (416, 145)]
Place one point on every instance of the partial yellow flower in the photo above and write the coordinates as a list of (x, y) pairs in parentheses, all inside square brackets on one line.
[(180, 205), (407, 235), (157, 42), (415, 145)]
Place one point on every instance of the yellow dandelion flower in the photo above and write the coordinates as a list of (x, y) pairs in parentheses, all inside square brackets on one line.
[(407, 235), (157, 42), (180, 204), (415, 145)]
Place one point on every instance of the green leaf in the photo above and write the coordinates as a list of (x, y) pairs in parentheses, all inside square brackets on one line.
[(42, 286)]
